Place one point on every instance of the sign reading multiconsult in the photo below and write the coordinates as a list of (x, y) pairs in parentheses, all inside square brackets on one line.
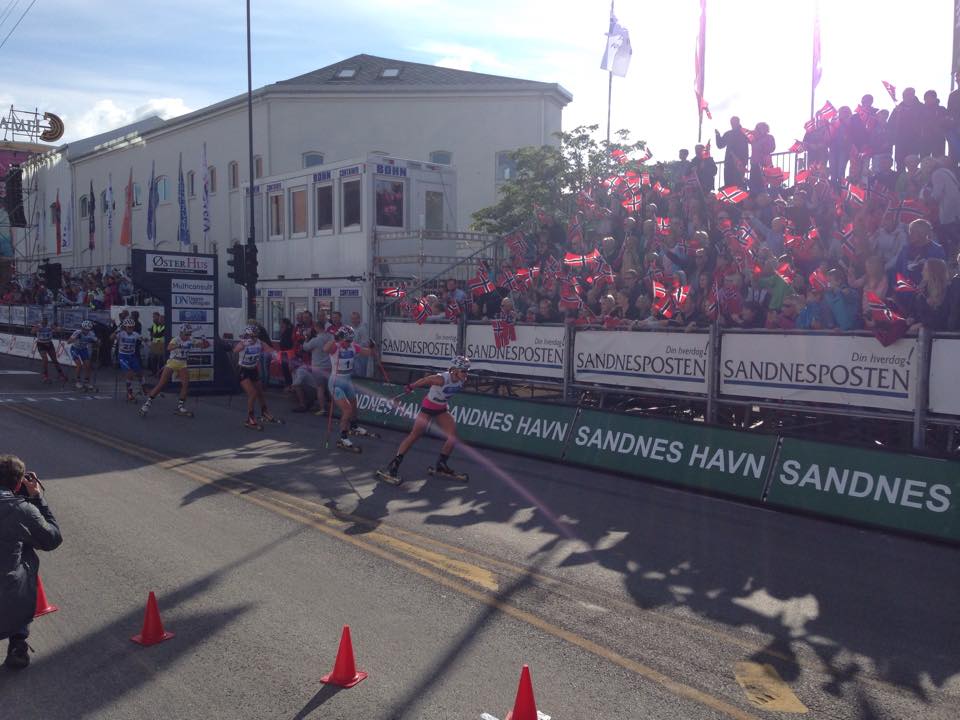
[(537, 351), (658, 360), (944, 388), (427, 345), (840, 370)]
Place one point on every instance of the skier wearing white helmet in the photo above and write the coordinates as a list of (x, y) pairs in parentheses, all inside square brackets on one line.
[(82, 343), (343, 352), (127, 340), (179, 347), (250, 349)]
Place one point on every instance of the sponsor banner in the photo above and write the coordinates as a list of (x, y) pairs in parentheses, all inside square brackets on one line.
[(530, 428), (695, 456), (944, 388), (71, 319), (25, 346), (193, 316), (178, 300), (18, 315), (645, 360), (538, 350), (892, 490), (180, 264), (189, 285), (430, 345), (822, 368)]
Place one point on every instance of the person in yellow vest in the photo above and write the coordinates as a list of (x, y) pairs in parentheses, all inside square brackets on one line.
[(157, 331)]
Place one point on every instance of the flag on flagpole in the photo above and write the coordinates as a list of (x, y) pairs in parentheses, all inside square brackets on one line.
[(152, 208), (206, 196), (817, 67), (67, 242), (617, 54), (183, 232), (92, 210), (892, 89), (56, 220), (126, 232), (110, 210), (699, 61)]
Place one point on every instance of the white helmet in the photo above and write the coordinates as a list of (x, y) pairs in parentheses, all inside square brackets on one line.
[(345, 332), (186, 329), (86, 325), (460, 362), (129, 323), (251, 331)]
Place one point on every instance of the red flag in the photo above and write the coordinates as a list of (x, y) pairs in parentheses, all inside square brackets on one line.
[(663, 225), (396, 292), (810, 125), (786, 272), (453, 310), (892, 89), (732, 194), (633, 204), (422, 311), (854, 194), (797, 147), (801, 177), (889, 326), (826, 114), (517, 243), (620, 156), (818, 280), (126, 228), (662, 190), (480, 284), (905, 284)]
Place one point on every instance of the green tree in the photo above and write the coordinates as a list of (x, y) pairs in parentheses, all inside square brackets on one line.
[(551, 176)]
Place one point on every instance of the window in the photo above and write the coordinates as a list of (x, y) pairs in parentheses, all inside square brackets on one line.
[(258, 166), (441, 157), (84, 205), (324, 207), (163, 189), (506, 166), (312, 158), (389, 203), (390, 72), (191, 184), (276, 216), (103, 202), (433, 210), (137, 195), (212, 175), (233, 173), (298, 212), (350, 200), (345, 73)]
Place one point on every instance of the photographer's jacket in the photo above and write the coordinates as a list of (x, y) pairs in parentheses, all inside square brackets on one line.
[(25, 526)]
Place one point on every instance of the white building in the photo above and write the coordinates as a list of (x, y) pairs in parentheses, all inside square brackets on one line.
[(354, 113)]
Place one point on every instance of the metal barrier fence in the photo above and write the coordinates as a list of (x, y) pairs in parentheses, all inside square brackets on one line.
[(831, 374), (790, 162), (24, 317)]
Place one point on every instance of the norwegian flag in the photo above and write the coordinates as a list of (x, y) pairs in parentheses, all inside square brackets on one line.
[(588, 262), (661, 190), (810, 125), (633, 204), (605, 274), (681, 295), (746, 235), (854, 194), (501, 337), (775, 176), (665, 306), (889, 325), (827, 113), (818, 280), (905, 285), (421, 311), (613, 182), (480, 284), (801, 177), (570, 297), (797, 147), (526, 276), (645, 179), (847, 246), (786, 272), (453, 310), (892, 89), (551, 269), (395, 292), (732, 195), (611, 322), (713, 304), (663, 225), (659, 289), (907, 211), (517, 243), (620, 156), (726, 295), (508, 279), (575, 231)]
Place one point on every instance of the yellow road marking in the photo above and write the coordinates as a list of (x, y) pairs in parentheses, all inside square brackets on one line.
[(325, 523), (765, 689)]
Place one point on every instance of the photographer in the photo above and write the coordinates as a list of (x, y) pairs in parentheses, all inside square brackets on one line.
[(26, 524)]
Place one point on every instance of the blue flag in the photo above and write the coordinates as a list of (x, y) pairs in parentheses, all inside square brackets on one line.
[(183, 232), (152, 208)]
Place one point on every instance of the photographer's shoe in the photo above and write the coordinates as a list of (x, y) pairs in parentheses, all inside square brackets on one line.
[(18, 654)]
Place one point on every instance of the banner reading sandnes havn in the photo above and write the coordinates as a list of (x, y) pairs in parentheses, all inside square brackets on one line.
[(663, 361), (537, 351), (430, 345), (821, 368)]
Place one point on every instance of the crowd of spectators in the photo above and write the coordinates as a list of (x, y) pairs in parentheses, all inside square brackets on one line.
[(93, 288), (866, 232)]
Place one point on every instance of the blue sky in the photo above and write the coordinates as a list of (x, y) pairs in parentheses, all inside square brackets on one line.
[(103, 63)]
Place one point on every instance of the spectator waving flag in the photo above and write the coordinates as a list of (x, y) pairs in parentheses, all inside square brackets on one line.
[(888, 325), (892, 89), (617, 54)]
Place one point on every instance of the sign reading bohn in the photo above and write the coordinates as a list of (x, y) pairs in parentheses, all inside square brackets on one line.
[(31, 126)]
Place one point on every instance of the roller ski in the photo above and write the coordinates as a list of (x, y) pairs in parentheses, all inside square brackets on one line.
[(268, 419), (442, 470), (390, 474), (345, 444), (182, 411), (251, 424), (363, 432)]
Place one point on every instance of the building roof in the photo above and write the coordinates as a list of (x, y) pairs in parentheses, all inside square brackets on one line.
[(79, 148), (369, 75)]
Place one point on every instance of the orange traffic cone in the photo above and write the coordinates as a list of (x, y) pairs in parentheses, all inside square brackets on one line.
[(345, 673), (152, 632), (524, 707), (43, 605)]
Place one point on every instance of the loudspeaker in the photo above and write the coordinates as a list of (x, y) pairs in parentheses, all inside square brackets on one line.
[(13, 201)]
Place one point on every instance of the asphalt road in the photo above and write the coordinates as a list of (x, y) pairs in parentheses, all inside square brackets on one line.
[(627, 600)]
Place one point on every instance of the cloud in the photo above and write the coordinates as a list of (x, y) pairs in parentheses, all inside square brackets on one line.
[(107, 115), (462, 57)]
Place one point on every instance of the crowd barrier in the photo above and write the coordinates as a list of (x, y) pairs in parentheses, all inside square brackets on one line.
[(901, 492), (850, 373)]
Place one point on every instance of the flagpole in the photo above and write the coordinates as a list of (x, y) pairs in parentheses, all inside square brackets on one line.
[(816, 52), (609, 85)]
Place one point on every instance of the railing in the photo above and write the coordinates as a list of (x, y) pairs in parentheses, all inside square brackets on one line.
[(792, 378), (789, 161)]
